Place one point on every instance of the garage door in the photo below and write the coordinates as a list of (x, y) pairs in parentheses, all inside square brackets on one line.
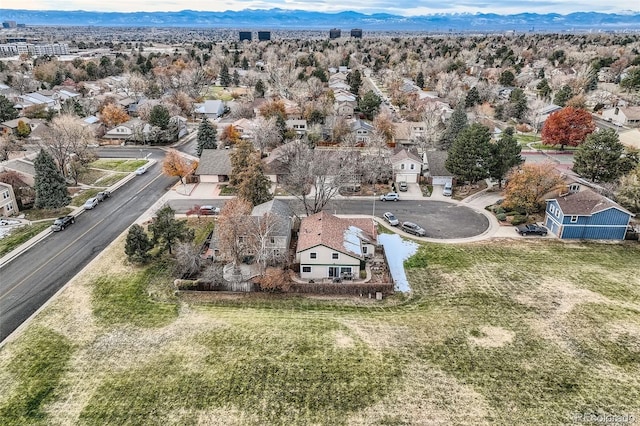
[(441, 180), (406, 177)]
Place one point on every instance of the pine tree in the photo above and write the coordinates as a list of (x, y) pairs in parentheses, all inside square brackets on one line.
[(159, 117), (354, 80), (455, 124), (240, 160), (420, 80), (7, 111), (207, 137), (601, 157), (505, 154), (225, 77), (166, 228), (473, 97), (259, 88), (51, 188), (138, 245), (470, 155), (562, 97), (253, 185)]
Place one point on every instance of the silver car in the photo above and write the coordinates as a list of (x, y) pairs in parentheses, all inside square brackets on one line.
[(389, 217), (90, 203), (412, 228)]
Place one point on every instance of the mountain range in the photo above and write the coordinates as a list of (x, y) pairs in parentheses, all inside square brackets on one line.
[(275, 19)]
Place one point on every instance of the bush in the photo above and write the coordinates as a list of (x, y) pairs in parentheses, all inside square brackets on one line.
[(499, 210), (501, 217), (518, 220), (363, 274)]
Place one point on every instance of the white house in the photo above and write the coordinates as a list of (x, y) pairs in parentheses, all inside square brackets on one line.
[(623, 116), (8, 204), (407, 166), (333, 247), (299, 126)]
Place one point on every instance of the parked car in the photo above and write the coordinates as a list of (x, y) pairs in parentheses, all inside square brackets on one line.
[(448, 190), (403, 186), (141, 170), (90, 203), (412, 228), (61, 223), (389, 217), (391, 196), (103, 195), (531, 229), (209, 210)]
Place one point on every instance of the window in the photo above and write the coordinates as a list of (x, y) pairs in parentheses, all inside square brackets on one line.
[(241, 239), (306, 269), (413, 166), (402, 166), (335, 255), (272, 240), (574, 219), (313, 255), (364, 249), (9, 207), (558, 213), (5, 194), (552, 208)]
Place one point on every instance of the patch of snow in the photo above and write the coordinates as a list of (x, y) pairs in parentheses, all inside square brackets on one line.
[(397, 250), (8, 225)]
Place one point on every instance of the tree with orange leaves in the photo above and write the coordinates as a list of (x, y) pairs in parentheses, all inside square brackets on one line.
[(175, 165), (527, 185), (113, 114), (230, 135), (569, 126), (273, 109)]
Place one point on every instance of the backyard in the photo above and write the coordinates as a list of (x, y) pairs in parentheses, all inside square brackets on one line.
[(508, 332)]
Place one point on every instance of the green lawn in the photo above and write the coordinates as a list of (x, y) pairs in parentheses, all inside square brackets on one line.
[(109, 180), (38, 214), (21, 235), (118, 165), (552, 147), (525, 139), (516, 332)]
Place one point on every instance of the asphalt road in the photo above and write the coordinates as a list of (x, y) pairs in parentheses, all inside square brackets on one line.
[(440, 219), (32, 278)]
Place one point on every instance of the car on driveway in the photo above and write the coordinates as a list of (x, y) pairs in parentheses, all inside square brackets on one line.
[(103, 195), (390, 217), (403, 186), (90, 203), (531, 229), (412, 228), (391, 196), (447, 191), (209, 210)]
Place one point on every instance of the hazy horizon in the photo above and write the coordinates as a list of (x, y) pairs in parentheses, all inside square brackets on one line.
[(398, 7)]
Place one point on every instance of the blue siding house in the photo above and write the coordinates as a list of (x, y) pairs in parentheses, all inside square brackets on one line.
[(586, 215)]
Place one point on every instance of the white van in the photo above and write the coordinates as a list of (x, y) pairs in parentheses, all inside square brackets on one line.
[(448, 190)]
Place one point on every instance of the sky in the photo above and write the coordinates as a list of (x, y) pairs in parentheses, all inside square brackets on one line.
[(396, 7)]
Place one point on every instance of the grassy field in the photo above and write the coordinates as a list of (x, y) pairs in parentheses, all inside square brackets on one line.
[(510, 332), (38, 214), (109, 180), (118, 165), (21, 235)]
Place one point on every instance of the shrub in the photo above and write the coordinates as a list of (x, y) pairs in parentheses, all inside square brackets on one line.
[(499, 210), (501, 217), (518, 220), (363, 274)]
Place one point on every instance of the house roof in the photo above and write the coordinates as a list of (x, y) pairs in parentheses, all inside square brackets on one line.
[(343, 235), (13, 124), (21, 166), (214, 162), (210, 107), (436, 160), (586, 203), (280, 210), (405, 154), (632, 113)]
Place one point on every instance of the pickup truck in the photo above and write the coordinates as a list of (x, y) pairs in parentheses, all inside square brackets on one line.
[(62, 222)]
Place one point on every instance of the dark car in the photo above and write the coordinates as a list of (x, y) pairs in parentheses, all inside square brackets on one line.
[(531, 229), (412, 228), (61, 223), (103, 195), (391, 196)]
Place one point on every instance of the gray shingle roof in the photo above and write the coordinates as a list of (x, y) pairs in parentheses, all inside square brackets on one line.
[(280, 210), (436, 161), (214, 162)]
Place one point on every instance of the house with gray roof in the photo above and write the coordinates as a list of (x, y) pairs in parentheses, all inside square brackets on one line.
[(210, 108), (214, 166), (437, 173), (407, 166), (584, 214)]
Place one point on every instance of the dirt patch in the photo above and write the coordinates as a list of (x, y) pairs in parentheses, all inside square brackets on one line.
[(427, 396), (379, 335), (343, 340), (492, 337)]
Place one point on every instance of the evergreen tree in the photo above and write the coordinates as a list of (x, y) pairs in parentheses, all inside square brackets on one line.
[(517, 103), (7, 111), (455, 124), (420, 80), (167, 229), (260, 89), (562, 97), (236, 78), (473, 97), (254, 185), (207, 136), (601, 158), (369, 104), (354, 80), (245, 63), (240, 160), (159, 117), (225, 77), (51, 188), (543, 88), (507, 78), (470, 155), (505, 154), (138, 245)]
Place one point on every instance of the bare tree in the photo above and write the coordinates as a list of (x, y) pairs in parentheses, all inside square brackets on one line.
[(232, 230), (66, 137), (187, 260), (260, 231), (265, 134)]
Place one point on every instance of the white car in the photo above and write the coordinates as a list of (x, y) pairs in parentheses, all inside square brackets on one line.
[(90, 203), (141, 170), (389, 217)]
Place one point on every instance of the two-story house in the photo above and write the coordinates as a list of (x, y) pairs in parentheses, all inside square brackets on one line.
[(407, 166), (333, 247), (583, 214), (362, 131), (8, 204)]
